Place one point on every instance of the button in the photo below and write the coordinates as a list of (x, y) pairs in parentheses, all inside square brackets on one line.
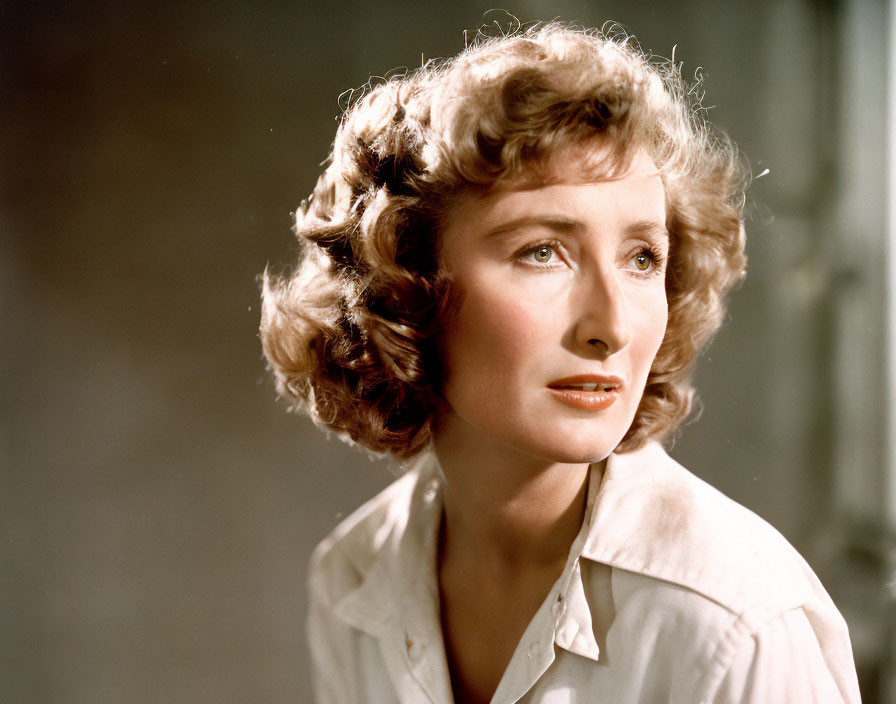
[(558, 608), (431, 491), (415, 650), (566, 634)]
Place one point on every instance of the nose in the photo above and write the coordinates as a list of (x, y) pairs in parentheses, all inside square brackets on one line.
[(602, 326)]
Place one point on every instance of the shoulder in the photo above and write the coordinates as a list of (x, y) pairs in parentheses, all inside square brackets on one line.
[(352, 594), (343, 560), (654, 517), (707, 579)]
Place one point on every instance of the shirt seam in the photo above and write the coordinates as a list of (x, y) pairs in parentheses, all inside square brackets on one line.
[(746, 626)]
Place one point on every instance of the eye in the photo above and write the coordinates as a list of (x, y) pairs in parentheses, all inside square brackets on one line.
[(643, 260), (544, 256), (646, 260), (543, 253)]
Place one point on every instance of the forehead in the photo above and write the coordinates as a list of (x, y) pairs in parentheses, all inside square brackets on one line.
[(575, 184), (589, 161)]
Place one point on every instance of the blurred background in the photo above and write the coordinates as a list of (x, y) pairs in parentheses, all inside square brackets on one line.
[(158, 506)]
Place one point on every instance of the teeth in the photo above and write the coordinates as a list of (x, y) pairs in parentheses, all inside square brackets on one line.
[(592, 386)]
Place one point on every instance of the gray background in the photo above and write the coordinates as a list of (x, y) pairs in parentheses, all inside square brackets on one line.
[(158, 507)]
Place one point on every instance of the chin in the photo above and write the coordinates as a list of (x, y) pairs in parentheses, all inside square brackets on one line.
[(588, 441), (567, 456), (575, 450)]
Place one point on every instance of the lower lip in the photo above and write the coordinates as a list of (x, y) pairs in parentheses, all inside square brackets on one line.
[(586, 400)]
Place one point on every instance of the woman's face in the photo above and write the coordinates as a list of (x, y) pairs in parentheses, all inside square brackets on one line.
[(562, 309)]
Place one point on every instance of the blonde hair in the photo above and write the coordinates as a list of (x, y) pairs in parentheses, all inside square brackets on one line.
[(350, 334)]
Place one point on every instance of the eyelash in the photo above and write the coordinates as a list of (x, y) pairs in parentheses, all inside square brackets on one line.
[(654, 253)]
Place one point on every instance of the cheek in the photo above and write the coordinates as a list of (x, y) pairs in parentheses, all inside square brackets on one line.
[(651, 327), (491, 336)]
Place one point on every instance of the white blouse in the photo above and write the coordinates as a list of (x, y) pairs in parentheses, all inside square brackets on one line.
[(672, 593)]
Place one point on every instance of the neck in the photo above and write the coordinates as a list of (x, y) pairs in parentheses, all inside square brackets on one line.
[(506, 511)]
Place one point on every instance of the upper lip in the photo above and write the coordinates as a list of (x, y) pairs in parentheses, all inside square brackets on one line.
[(601, 381)]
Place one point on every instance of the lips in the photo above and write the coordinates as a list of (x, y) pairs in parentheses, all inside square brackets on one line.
[(588, 382), (585, 386), (588, 392)]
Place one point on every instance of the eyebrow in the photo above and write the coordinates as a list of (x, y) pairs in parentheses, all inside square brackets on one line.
[(643, 228), (648, 228), (553, 222)]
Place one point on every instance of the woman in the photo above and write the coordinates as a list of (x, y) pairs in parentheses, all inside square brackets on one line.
[(510, 265)]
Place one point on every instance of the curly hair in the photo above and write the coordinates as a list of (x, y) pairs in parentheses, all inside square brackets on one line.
[(350, 334)]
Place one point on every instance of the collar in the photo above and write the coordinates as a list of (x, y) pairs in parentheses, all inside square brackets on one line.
[(647, 515), (403, 570), (399, 592), (654, 517)]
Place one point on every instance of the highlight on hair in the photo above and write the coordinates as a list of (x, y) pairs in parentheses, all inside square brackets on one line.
[(350, 334)]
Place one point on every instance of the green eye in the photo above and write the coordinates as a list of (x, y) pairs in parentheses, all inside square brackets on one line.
[(542, 254)]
